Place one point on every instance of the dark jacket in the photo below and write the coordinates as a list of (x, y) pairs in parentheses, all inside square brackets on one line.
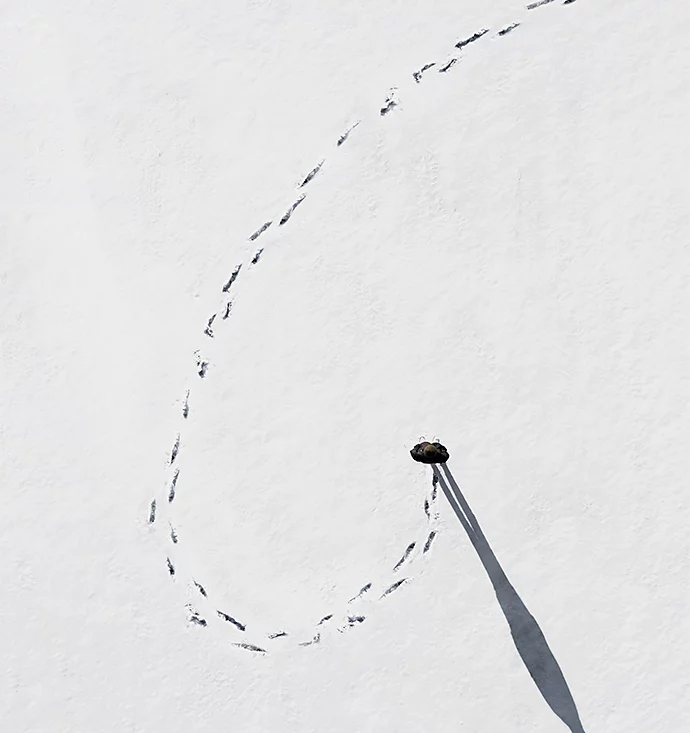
[(426, 452)]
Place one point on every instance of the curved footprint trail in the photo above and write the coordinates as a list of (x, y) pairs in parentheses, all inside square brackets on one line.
[(200, 608)]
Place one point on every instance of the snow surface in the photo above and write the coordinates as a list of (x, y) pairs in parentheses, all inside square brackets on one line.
[(497, 258)]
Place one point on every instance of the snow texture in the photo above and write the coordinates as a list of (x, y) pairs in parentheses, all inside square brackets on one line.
[(253, 253)]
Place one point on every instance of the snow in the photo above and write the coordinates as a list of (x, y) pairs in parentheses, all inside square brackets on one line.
[(498, 261)]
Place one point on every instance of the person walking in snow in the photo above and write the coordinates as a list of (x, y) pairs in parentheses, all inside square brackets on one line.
[(426, 452)]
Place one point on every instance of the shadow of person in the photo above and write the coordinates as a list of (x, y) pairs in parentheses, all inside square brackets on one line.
[(528, 637)]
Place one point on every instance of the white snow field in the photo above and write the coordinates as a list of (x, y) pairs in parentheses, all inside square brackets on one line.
[(224, 530)]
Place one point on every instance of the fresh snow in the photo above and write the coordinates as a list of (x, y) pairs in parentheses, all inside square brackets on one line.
[(252, 253)]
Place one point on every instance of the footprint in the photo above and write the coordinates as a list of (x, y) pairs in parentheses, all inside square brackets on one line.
[(354, 620), (290, 211), (173, 484), (175, 449), (392, 588), (447, 66), (315, 640), (201, 368), (429, 540), (259, 232), (311, 174), (194, 616), (208, 330), (389, 104), (532, 6), (362, 591), (417, 76), (407, 553), (257, 256), (231, 620), (233, 277), (346, 134), (152, 512), (251, 647), (474, 37), (512, 27), (171, 567)]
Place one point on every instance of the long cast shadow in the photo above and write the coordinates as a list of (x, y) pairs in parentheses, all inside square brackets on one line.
[(528, 637)]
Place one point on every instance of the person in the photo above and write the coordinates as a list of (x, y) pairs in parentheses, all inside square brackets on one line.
[(426, 452)]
